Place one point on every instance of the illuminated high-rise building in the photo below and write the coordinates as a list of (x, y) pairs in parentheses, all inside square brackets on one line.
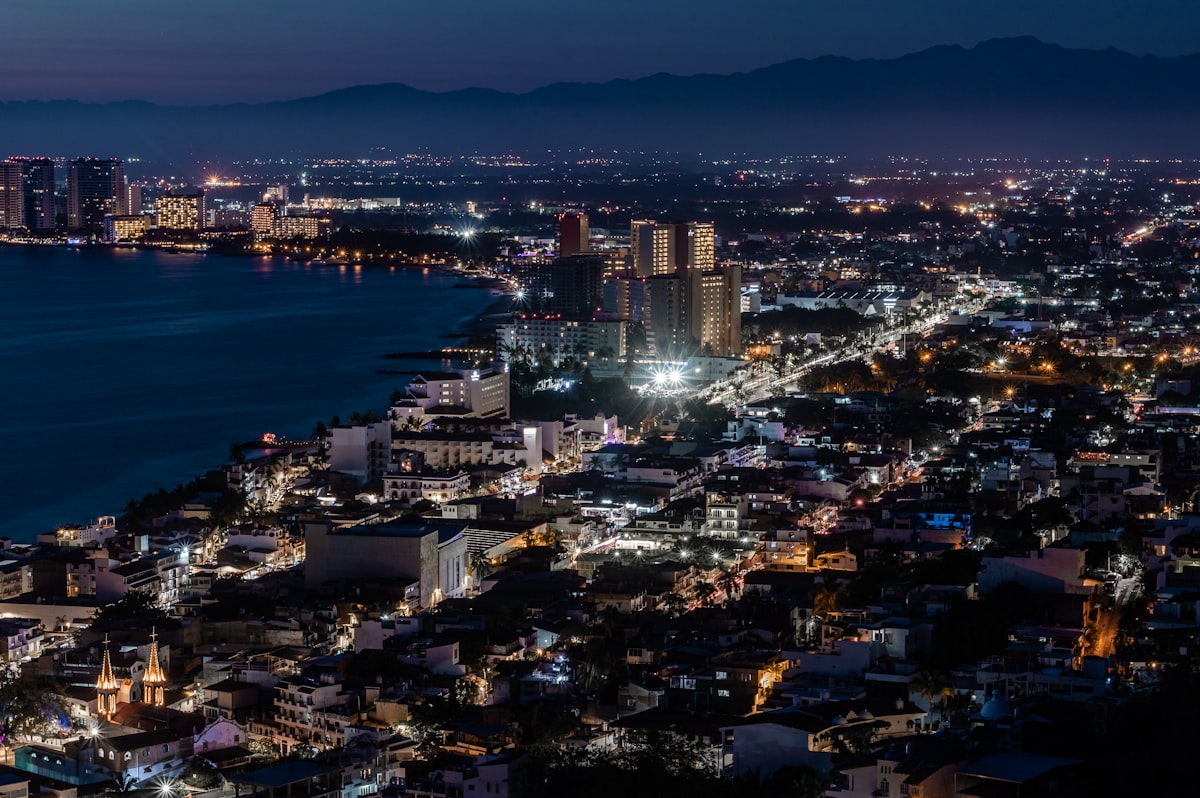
[(38, 176), (27, 194), (663, 248), (300, 227), (695, 312), (95, 189), (180, 211), (572, 234), (696, 245), (651, 248), (577, 284), (714, 316), (262, 219), (133, 199), (125, 229), (12, 196)]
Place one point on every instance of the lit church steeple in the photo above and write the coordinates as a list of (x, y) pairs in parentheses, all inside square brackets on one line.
[(155, 681), (106, 686)]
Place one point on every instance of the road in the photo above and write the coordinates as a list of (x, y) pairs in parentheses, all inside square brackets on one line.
[(758, 387)]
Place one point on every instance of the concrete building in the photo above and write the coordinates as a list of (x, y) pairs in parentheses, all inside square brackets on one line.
[(181, 211), (133, 199), (12, 196), (315, 713), (575, 284), (362, 451), (1048, 570), (560, 338), (664, 248), (450, 449), (263, 217), (20, 639), (572, 234), (420, 553), (300, 227), (95, 189), (37, 193), (764, 742), (695, 311), (714, 309), (121, 229), (482, 393), (627, 297), (95, 533), (439, 488)]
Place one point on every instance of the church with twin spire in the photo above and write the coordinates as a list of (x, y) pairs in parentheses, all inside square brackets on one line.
[(109, 688)]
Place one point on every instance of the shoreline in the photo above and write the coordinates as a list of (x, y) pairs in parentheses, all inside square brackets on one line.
[(23, 525)]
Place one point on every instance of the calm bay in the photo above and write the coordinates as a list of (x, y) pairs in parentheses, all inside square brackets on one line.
[(123, 371)]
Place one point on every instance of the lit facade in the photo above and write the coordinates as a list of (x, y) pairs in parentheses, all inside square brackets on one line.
[(481, 393), (559, 338), (27, 194), (262, 219), (119, 229), (180, 211), (154, 682), (107, 687), (95, 189), (37, 175), (695, 311), (12, 196), (300, 227), (715, 310), (663, 248)]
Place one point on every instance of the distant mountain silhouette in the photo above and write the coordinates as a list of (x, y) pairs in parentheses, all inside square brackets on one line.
[(1014, 96)]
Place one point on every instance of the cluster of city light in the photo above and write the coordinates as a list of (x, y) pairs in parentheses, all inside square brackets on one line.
[(668, 377)]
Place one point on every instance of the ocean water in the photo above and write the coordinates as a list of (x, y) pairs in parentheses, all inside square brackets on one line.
[(122, 371)]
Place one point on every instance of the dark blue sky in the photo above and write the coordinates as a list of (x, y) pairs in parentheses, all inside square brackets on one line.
[(202, 51)]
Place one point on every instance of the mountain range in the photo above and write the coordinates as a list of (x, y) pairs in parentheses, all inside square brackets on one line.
[(1014, 97)]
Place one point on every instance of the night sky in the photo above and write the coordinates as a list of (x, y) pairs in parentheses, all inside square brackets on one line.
[(252, 50)]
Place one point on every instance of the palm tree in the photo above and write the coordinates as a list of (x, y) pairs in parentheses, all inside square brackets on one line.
[(826, 601), (674, 605), (123, 783), (936, 687), (480, 567)]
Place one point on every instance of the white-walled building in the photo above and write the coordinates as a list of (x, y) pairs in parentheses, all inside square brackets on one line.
[(432, 556), (438, 488), (311, 713), (95, 533), (21, 638), (481, 393), (529, 337), (762, 743), (451, 449), (362, 451)]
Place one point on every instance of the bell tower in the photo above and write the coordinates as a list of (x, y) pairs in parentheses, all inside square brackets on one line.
[(106, 686), (155, 681)]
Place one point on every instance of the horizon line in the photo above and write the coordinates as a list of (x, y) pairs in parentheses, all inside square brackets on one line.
[(540, 87)]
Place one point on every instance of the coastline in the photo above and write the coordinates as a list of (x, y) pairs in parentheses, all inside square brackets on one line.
[(491, 315), (482, 324), (202, 319)]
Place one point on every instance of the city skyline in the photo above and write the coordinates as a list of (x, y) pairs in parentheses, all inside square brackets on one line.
[(427, 400), (226, 52)]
